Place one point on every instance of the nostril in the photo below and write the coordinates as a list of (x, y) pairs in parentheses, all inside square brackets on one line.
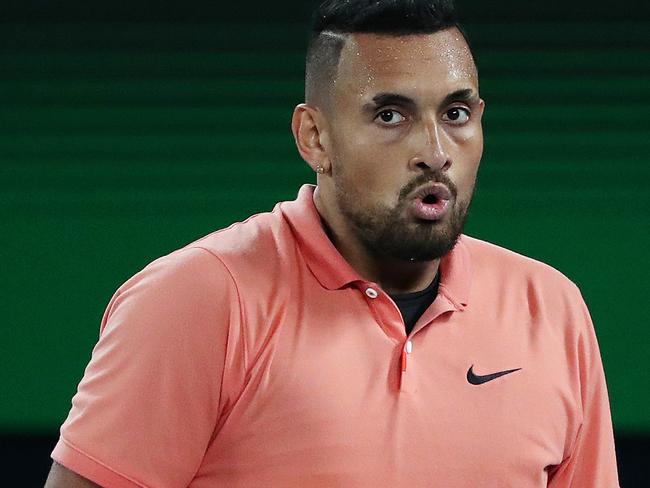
[(422, 165)]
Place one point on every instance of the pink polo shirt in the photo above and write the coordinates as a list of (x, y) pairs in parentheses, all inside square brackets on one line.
[(257, 357)]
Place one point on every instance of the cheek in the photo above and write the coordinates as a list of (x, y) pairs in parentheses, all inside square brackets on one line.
[(467, 187), (467, 163), (469, 138), (366, 170)]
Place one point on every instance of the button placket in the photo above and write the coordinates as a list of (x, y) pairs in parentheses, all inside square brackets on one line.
[(383, 310), (405, 352)]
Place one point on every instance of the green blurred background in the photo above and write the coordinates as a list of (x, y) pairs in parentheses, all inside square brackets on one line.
[(129, 129)]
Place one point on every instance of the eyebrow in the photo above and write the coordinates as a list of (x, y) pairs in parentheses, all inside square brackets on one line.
[(382, 99), (464, 95)]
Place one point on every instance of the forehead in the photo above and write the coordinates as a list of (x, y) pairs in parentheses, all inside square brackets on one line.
[(438, 61)]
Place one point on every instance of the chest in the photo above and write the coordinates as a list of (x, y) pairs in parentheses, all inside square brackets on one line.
[(333, 396)]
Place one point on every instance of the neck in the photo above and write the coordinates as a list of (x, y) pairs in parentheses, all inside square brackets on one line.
[(392, 275)]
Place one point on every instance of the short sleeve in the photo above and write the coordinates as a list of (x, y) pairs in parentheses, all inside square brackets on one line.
[(146, 408), (592, 461)]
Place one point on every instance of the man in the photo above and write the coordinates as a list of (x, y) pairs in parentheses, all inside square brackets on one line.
[(352, 337)]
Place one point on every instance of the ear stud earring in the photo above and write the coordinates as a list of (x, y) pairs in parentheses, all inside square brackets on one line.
[(320, 170)]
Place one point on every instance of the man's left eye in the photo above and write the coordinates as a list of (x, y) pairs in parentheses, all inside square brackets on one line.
[(458, 115)]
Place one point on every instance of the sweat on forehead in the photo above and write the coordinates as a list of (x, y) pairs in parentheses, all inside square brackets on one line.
[(337, 57), (368, 59), (381, 49)]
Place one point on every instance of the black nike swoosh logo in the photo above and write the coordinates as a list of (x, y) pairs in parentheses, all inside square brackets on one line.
[(475, 379)]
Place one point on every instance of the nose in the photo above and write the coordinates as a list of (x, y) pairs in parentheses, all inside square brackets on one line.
[(431, 153)]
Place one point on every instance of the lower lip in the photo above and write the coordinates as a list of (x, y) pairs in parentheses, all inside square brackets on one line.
[(430, 211)]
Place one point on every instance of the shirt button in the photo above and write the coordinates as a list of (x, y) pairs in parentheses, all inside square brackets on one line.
[(409, 347), (372, 293)]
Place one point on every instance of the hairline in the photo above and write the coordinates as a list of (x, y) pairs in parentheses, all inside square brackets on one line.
[(341, 38)]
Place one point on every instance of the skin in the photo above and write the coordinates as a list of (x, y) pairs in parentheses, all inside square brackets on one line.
[(367, 161), (371, 154), (62, 477)]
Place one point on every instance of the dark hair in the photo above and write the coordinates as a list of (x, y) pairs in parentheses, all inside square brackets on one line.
[(333, 19), (392, 17)]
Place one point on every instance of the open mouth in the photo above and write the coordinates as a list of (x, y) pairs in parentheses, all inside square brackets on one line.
[(430, 199), (431, 202), (433, 193)]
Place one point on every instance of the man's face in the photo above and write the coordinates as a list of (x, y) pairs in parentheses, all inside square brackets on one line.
[(405, 114)]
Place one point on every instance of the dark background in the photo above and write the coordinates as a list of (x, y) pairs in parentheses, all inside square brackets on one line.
[(128, 129)]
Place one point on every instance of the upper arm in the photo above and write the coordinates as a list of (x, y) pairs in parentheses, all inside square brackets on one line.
[(592, 461), (148, 404), (62, 477)]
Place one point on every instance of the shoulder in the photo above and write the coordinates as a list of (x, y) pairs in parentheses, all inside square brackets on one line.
[(212, 268), (507, 269), (209, 257), (262, 246), (493, 258), (251, 243), (184, 271), (187, 288), (506, 280), (256, 234)]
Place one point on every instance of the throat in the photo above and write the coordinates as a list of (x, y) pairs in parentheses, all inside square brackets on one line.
[(400, 277)]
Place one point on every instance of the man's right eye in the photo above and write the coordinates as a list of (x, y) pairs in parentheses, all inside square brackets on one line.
[(390, 117)]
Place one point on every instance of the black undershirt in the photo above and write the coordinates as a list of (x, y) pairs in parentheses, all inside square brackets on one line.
[(413, 305)]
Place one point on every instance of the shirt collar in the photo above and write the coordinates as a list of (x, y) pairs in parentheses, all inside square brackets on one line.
[(332, 270), (326, 263)]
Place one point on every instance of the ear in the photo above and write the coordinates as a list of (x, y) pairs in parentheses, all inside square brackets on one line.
[(310, 133)]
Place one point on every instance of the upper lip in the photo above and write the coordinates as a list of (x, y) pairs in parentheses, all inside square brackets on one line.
[(438, 190)]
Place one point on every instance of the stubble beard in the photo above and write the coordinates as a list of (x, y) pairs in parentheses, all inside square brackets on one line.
[(389, 233)]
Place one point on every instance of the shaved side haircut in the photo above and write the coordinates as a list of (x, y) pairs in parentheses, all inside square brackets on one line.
[(334, 20)]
